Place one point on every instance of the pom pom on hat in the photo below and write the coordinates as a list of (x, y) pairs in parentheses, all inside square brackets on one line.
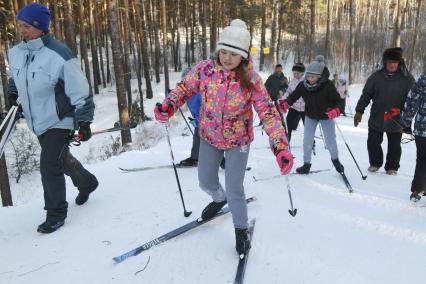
[(316, 67), (235, 38)]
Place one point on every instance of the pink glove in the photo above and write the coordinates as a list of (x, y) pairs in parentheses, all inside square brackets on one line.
[(285, 161), (283, 106), (163, 112), (333, 113)]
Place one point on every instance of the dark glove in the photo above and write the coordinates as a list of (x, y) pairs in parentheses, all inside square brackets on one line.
[(357, 118), (84, 131), (407, 130), (13, 100)]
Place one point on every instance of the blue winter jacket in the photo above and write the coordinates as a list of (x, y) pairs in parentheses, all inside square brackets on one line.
[(51, 88), (415, 105), (194, 104)]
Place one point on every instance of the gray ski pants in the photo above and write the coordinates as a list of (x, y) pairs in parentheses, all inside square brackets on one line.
[(208, 168), (329, 130)]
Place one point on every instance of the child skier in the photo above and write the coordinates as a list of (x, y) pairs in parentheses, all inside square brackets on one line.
[(415, 105), (322, 105), (297, 110), (229, 88)]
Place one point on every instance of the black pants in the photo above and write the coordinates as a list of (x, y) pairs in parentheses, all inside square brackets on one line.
[(375, 152), (195, 144), (55, 161), (293, 119), (419, 181)]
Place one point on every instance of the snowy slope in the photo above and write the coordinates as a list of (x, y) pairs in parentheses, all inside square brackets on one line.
[(374, 235)]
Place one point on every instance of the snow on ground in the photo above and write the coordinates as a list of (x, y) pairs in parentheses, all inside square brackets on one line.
[(374, 235)]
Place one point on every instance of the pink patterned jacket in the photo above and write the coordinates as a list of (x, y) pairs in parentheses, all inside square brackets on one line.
[(226, 116), (299, 105)]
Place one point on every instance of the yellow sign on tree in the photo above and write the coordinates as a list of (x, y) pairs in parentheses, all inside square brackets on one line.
[(253, 50), (266, 50)]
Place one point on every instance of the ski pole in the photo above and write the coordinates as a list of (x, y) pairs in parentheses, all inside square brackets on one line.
[(76, 139), (6, 118), (185, 213), (292, 211), (349, 149), (388, 115), (187, 124), (9, 127)]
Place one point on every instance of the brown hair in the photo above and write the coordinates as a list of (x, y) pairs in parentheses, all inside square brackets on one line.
[(241, 71)]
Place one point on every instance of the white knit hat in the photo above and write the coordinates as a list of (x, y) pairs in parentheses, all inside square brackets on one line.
[(235, 38)]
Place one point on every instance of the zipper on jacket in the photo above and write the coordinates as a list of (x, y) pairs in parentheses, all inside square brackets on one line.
[(27, 63)]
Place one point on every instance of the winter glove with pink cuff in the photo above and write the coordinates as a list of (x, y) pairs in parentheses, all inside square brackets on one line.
[(283, 106), (163, 112), (333, 113), (285, 161)]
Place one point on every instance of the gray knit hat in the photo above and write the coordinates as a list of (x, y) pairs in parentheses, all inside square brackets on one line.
[(316, 67)]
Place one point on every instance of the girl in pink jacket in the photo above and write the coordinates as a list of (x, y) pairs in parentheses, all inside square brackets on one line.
[(297, 110), (229, 88)]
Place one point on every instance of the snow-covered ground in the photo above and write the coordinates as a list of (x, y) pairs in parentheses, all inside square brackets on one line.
[(374, 235)]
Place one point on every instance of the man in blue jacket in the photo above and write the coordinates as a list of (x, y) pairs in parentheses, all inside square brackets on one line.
[(46, 81)]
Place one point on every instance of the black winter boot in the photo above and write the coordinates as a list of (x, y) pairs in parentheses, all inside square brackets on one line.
[(338, 166), (50, 226), (304, 170), (190, 162), (242, 241), (212, 209), (83, 194)]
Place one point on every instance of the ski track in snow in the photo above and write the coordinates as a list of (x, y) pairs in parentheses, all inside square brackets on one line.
[(373, 235)]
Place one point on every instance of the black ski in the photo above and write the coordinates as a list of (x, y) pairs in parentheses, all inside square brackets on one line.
[(170, 235), (345, 179), (294, 173), (242, 263)]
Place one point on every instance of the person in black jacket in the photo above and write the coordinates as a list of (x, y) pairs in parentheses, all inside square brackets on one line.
[(277, 83), (322, 105), (387, 88)]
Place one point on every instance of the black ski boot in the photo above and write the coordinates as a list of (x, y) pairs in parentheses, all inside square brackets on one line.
[(242, 241), (48, 227), (83, 194), (304, 170), (415, 196), (338, 166), (187, 163), (212, 209)]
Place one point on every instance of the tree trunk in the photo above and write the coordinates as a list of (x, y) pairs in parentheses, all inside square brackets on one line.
[(118, 70), (56, 25), (126, 64), (396, 37), (327, 34), (99, 44), (69, 26), (416, 30), (213, 26), (165, 47), (6, 196), (95, 59), (273, 31), (351, 57), (203, 8), (140, 25), (157, 46), (312, 32), (262, 37), (83, 42)]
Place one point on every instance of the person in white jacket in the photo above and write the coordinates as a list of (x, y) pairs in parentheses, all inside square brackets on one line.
[(297, 110)]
